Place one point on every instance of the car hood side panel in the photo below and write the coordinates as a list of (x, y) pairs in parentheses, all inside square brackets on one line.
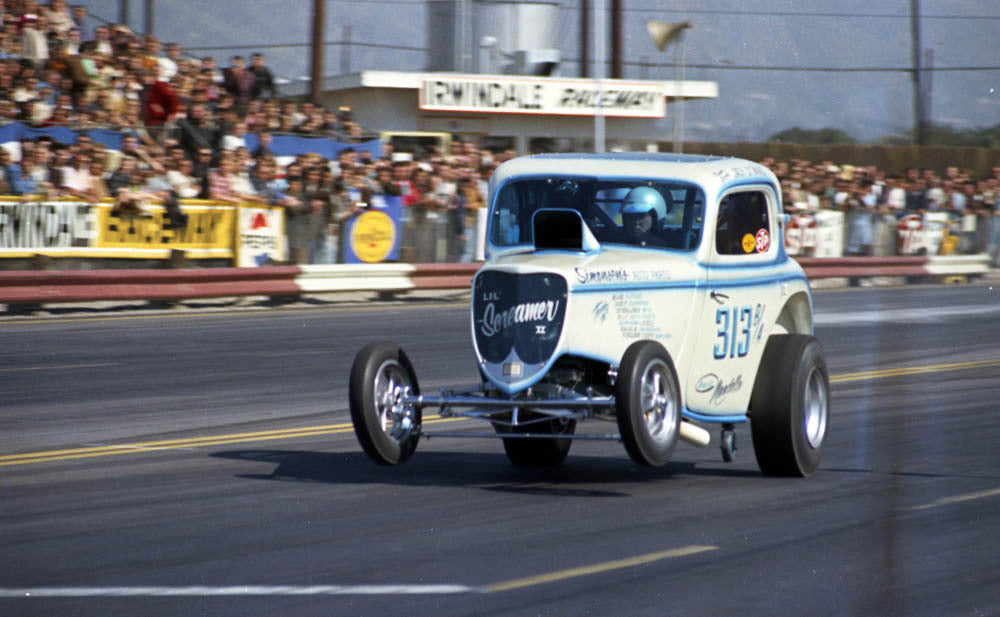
[(615, 297)]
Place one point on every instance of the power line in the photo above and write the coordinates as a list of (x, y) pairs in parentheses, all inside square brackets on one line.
[(823, 69), (800, 14), (714, 66), (410, 2), (298, 45)]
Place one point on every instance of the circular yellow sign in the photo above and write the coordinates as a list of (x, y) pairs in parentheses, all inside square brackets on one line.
[(373, 236), (749, 243)]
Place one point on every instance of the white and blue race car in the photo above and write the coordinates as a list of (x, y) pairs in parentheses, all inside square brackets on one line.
[(651, 291)]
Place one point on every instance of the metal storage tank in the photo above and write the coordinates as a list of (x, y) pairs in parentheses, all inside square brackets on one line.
[(493, 36)]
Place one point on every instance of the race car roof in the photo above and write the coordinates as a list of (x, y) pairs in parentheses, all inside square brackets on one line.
[(713, 173)]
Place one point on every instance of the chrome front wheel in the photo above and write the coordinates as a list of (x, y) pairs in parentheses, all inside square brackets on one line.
[(387, 428), (648, 403)]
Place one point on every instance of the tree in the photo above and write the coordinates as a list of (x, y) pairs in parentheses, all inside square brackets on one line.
[(824, 137), (946, 135)]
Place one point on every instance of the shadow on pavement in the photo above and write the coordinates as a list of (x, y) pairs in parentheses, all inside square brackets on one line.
[(488, 471)]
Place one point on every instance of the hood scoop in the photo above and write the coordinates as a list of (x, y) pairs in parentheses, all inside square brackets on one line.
[(562, 229)]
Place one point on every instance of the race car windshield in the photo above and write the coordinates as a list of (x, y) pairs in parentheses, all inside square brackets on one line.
[(654, 214)]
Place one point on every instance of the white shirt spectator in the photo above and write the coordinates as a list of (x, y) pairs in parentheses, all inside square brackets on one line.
[(232, 142), (235, 138), (242, 184), (34, 44), (958, 201), (185, 186), (77, 179), (897, 198), (167, 68), (104, 48), (59, 18), (812, 201), (23, 94), (40, 111), (936, 194)]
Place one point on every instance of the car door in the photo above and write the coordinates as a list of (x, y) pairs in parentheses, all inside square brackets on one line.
[(741, 292)]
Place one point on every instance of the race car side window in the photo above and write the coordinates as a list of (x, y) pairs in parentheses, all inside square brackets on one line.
[(505, 229), (743, 226)]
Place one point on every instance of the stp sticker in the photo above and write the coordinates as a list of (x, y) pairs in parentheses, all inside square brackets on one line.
[(763, 240), (748, 243)]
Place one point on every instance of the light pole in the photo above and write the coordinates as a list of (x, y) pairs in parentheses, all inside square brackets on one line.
[(662, 35), (487, 47), (599, 55)]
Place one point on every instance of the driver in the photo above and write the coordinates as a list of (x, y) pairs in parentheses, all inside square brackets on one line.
[(642, 214)]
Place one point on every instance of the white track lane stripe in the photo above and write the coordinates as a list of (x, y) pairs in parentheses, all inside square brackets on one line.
[(237, 590)]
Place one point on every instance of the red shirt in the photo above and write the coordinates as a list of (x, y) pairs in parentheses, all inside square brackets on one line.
[(161, 103)]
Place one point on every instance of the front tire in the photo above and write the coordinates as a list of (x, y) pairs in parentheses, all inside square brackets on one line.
[(380, 376), (648, 403), (790, 406)]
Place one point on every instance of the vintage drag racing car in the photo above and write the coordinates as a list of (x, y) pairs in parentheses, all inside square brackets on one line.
[(651, 291)]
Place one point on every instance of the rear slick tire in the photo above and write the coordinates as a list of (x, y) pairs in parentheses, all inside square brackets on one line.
[(790, 406), (387, 430)]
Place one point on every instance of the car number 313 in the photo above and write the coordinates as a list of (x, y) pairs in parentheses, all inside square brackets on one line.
[(737, 327)]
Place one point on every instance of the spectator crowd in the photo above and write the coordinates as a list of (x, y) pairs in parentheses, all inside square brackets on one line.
[(187, 120), (874, 202)]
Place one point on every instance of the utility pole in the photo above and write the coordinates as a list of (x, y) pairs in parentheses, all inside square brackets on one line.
[(919, 117), (345, 50), (150, 20), (617, 21), (584, 38), (927, 81), (600, 56), (316, 72), (123, 12)]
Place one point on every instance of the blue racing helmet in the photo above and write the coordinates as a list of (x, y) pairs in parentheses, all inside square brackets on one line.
[(643, 199)]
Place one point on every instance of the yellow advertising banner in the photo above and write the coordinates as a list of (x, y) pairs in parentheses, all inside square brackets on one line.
[(209, 231), (247, 235)]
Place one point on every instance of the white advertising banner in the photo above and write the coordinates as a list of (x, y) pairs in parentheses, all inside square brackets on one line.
[(36, 227), (800, 234), (815, 234), (543, 96), (260, 236), (829, 233), (922, 235)]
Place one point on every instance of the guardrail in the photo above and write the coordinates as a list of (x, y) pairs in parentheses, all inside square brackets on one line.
[(933, 267), (857, 267), (38, 287), (41, 287)]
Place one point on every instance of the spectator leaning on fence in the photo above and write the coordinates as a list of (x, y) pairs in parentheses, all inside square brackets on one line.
[(223, 184), (180, 174), (125, 184), (77, 181), (10, 175), (319, 218)]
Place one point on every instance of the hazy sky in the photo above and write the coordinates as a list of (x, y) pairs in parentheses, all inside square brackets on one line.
[(727, 36)]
